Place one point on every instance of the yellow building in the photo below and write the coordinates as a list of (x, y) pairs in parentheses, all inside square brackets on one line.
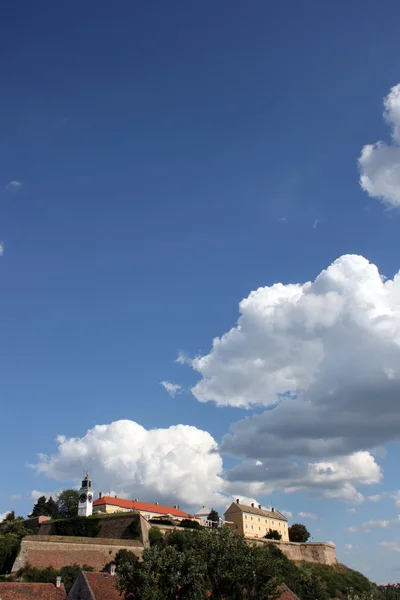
[(254, 521)]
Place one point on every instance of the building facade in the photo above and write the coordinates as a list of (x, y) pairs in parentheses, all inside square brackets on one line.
[(254, 521), (110, 504)]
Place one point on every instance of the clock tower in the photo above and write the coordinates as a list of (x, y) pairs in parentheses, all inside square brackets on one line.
[(85, 508)]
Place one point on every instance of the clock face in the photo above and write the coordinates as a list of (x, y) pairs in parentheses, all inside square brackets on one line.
[(89, 497), (82, 498)]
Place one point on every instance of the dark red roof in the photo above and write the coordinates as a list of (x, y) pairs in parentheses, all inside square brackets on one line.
[(141, 506), (286, 593), (102, 586), (40, 591)]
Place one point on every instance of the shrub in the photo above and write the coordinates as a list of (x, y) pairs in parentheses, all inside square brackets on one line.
[(190, 524), (155, 537), (161, 521)]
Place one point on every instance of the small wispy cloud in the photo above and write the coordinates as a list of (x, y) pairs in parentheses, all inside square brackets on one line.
[(307, 515), (382, 524), (352, 529), (171, 388), (282, 219), (1, 248), (315, 224), (288, 514), (393, 546), (15, 496), (182, 359), (14, 184), (351, 510)]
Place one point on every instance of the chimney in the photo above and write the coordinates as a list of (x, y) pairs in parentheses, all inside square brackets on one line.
[(272, 509), (100, 495), (237, 501), (252, 505), (115, 496), (58, 582), (259, 506), (112, 569)]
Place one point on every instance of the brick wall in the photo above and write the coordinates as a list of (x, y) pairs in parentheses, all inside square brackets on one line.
[(58, 551)]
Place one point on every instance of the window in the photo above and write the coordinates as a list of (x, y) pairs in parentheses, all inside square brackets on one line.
[(246, 525), (252, 526), (258, 519), (259, 529), (245, 516), (273, 522), (251, 518)]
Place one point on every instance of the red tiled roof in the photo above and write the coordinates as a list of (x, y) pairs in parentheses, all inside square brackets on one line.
[(286, 593), (102, 586), (141, 506), (40, 591)]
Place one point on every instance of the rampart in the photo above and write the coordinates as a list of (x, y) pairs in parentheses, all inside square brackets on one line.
[(313, 552), (59, 551)]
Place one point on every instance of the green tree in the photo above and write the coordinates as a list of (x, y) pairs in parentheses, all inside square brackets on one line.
[(51, 508), (214, 517), (193, 564), (10, 516), (40, 508), (67, 503), (273, 534), (298, 533)]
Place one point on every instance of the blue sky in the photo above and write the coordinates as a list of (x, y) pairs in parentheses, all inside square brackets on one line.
[(158, 163)]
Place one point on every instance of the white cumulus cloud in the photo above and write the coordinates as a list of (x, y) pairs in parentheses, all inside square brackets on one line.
[(175, 465), (171, 388), (324, 358), (3, 515), (1, 248), (380, 163)]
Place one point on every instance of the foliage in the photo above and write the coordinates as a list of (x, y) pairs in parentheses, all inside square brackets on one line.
[(214, 517), (135, 528), (191, 564), (45, 508), (341, 581), (155, 536), (78, 526), (298, 533), (273, 534), (16, 527), (161, 521), (67, 503), (190, 524), (68, 574), (10, 516), (9, 548)]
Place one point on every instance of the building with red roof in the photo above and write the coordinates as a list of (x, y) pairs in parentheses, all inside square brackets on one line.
[(94, 586), (110, 504), (15, 590)]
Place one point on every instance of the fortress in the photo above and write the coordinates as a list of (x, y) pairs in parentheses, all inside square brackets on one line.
[(113, 523)]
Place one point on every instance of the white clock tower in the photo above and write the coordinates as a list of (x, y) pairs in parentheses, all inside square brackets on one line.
[(85, 507)]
